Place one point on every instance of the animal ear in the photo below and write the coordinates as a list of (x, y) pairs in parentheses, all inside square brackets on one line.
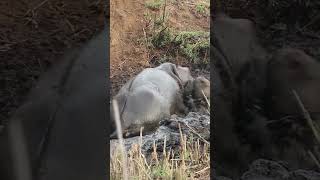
[(174, 69), (174, 73), (178, 71)]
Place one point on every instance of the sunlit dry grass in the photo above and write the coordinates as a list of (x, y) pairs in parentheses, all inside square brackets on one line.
[(190, 161)]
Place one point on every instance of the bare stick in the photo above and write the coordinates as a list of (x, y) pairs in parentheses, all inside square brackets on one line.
[(36, 7), (119, 133), (146, 42), (195, 132), (140, 141), (206, 101), (203, 170), (307, 116), (164, 10), (313, 157), (164, 146), (205, 98)]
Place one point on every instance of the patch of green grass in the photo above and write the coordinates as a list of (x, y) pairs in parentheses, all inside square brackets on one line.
[(162, 38), (161, 171), (194, 51), (201, 8), (192, 44), (154, 4)]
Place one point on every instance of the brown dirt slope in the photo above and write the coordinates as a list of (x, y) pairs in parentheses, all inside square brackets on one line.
[(126, 55)]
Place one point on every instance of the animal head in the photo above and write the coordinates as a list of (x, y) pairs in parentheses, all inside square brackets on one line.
[(202, 84), (181, 74)]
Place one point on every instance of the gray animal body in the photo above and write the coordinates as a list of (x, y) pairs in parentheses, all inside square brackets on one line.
[(154, 94)]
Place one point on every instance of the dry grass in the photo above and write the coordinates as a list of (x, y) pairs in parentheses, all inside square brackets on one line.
[(190, 161)]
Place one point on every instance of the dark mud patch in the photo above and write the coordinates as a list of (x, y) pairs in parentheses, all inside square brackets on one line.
[(33, 36)]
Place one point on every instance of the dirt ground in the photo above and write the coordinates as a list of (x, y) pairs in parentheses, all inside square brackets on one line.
[(128, 25), (127, 56), (34, 35)]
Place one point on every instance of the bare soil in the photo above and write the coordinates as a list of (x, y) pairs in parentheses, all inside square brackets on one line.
[(34, 35), (127, 56)]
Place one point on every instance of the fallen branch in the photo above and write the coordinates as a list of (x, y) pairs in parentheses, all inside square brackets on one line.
[(206, 101), (195, 132)]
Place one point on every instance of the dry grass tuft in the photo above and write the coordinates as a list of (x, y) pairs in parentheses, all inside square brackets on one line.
[(190, 161)]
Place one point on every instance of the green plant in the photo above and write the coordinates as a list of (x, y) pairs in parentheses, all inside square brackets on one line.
[(161, 171), (194, 44), (201, 8), (162, 38), (154, 4)]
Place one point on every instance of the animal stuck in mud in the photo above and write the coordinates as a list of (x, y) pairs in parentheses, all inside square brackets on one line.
[(153, 95)]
